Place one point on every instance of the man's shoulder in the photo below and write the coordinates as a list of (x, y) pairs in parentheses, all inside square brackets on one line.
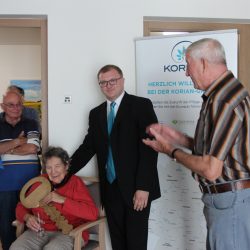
[(30, 113), (98, 108), (2, 121), (135, 98), (1, 118), (27, 120), (29, 124), (95, 112), (231, 92)]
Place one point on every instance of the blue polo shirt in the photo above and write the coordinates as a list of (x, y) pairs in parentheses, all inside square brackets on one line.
[(16, 170)]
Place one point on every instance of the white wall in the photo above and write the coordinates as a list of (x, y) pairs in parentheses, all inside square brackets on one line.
[(17, 63), (83, 35), (20, 55)]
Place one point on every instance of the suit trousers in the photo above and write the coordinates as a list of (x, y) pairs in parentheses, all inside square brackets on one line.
[(228, 220), (128, 228)]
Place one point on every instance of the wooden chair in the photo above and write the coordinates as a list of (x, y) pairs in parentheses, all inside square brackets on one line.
[(96, 228)]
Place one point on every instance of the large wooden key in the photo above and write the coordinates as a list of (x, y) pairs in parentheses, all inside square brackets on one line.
[(34, 199)]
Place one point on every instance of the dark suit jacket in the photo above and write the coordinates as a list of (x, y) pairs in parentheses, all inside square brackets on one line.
[(135, 163)]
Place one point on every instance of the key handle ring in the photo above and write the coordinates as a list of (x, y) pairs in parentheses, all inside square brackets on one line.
[(32, 200)]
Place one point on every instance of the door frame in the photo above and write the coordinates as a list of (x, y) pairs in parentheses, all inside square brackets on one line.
[(177, 24), (35, 21)]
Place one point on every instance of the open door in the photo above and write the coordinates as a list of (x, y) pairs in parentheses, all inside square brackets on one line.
[(15, 25)]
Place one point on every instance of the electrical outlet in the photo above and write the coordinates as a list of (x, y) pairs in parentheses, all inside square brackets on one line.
[(67, 99)]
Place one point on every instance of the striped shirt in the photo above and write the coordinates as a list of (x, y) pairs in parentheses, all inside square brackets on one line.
[(223, 128)]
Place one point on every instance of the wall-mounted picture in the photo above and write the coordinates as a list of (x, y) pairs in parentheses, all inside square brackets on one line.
[(32, 92)]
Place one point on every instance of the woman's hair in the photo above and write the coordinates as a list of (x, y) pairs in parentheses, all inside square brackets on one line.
[(56, 152)]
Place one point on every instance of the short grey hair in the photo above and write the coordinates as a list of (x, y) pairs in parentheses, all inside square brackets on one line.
[(56, 152), (209, 49)]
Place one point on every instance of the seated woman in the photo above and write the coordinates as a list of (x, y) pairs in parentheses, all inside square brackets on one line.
[(69, 195)]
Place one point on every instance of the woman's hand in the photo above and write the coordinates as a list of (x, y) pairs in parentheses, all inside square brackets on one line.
[(32, 222), (53, 196)]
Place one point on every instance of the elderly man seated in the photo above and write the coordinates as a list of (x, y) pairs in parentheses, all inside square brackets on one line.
[(19, 144)]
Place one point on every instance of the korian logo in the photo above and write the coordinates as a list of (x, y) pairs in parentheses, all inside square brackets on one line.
[(175, 122), (178, 51), (178, 56)]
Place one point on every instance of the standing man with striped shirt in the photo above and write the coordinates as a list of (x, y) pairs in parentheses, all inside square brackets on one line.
[(220, 147)]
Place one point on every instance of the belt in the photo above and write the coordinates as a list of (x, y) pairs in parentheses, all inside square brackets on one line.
[(225, 187)]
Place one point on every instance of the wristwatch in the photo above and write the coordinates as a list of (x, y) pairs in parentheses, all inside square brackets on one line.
[(173, 152)]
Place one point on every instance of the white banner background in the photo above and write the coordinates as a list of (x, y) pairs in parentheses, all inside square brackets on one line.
[(176, 219)]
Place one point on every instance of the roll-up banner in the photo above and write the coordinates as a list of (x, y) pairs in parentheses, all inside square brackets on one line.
[(176, 219)]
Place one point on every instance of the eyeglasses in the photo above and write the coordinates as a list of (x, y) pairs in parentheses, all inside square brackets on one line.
[(111, 82), (12, 106)]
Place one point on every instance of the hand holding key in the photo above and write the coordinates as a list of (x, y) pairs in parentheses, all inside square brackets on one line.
[(33, 222), (35, 199)]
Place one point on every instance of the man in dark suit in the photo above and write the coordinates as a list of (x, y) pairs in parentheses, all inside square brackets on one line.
[(127, 167)]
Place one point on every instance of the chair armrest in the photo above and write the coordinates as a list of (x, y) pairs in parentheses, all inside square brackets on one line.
[(76, 231), (89, 179), (19, 227)]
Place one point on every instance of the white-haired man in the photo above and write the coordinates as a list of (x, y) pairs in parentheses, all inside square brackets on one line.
[(19, 144), (220, 147)]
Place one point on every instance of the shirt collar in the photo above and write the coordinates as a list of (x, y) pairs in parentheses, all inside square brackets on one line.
[(117, 100), (215, 84), (3, 118)]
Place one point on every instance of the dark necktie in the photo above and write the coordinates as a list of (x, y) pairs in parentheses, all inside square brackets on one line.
[(110, 171)]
